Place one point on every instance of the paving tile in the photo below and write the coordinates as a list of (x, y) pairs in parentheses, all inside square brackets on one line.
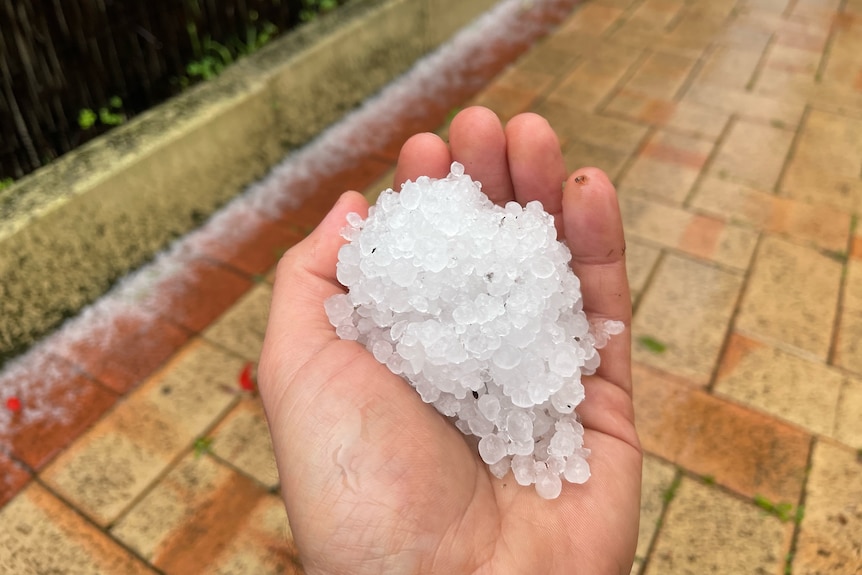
[(848, 424), (830, 537), (594, 78), (41, 535), (687, 308), (668, 166), (753, 154), (13, 478), (242, 440), (246, 241), (640, 261), (241, 328), (204, 517), (122, 348), (827, 162), (656, 479), (707, 238), (795, 389), (196, 294), (791, 297), (686, 117), (116, 461), (504, 100), (783, 112), (708, 531), (748, 452), (728, 67), (592, 18), (650, 16), (577, 154), (573, 124), (661, 75), (818, 224), (58, 403)]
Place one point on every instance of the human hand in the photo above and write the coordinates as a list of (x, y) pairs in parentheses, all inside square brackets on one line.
[(376, 481)]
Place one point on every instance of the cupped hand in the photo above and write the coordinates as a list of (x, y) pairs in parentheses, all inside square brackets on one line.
[(377, 482)]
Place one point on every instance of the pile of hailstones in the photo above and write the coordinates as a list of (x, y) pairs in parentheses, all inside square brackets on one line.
[(476, 307)]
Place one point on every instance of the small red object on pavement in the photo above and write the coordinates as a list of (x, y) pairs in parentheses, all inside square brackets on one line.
[(13, 404), (246, 379)]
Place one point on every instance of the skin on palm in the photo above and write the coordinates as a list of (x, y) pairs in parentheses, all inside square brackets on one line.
[(374, 480)]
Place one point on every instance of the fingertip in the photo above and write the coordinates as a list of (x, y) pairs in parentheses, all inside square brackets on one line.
[(591, 217), (424, 154)]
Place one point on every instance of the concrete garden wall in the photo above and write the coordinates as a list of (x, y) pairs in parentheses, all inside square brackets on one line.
[(70, 230)]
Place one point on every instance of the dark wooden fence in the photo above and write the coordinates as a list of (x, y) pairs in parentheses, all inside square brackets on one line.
[(69, 69)]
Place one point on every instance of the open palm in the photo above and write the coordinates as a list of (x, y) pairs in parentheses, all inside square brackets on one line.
[(377, 482)]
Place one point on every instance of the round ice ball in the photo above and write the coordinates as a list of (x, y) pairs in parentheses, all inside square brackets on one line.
[(476, 307)]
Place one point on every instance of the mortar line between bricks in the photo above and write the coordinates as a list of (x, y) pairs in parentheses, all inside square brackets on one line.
[(662, 517), (662, 255), (623, 18), (624, 79), (788, 10), (839, 305), (677, 18), (87, 519), (791, 151), (710, 160), (827, 47), (692, 76), (761, 64), (677, 252), (225, 463), (737, 306), (803, 499)]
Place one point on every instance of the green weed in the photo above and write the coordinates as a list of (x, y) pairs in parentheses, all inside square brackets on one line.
[(652, 344), (784, 511), (203, 445)]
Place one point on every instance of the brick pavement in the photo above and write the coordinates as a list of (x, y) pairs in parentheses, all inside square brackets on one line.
[(733, 130)]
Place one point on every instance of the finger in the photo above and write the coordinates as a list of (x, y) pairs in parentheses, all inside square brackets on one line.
[(594, 232), (536, 164), (422, 155), (304, 279), (478, 141)]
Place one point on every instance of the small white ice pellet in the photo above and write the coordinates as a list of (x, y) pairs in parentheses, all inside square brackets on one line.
[(475, 305)]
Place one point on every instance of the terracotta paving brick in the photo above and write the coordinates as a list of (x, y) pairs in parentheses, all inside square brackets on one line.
[(242, 327), (729, 67), (708, 238), (593, 79), (819, 224), (13, 478), (661, 75), (848, 344), (250, 245), (204, 517), (827, 162), (640, 262), (782, 113), (709, 531), (109, 467), (745, 451), (572, 124), (667, 167), (242, 439), (791, 297), (685, 117), (42, 535), (795, 389), (58, 403), (656, 479), (687, 309), (848, 424), (753, 154), (830, 537), (197, 295), (125, 349), (577, 154)]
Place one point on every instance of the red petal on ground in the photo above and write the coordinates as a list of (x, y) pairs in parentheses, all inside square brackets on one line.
[(13, 404), (246, 379)]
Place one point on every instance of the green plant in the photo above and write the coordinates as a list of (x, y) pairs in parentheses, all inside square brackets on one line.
[(110, 115), (652, 344), (6, 182), (669, 493), (784, 511), (203, 445), (311, 8)]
